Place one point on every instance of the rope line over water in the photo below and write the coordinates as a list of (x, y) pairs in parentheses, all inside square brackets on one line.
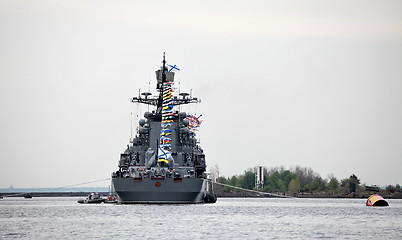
[(73, 185), (106, 179), (78, 184), (253, 191)]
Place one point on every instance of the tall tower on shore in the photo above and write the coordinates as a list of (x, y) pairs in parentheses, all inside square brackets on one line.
[(259, 178)]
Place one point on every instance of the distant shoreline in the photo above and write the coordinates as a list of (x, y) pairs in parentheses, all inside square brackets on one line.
[(219, 195), (364, 195), (49, 194)]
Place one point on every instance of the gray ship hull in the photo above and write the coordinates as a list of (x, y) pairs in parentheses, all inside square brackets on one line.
[(159, 190)]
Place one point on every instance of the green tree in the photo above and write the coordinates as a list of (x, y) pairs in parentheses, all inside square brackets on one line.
[(354, 181), (333, 184), (234, 181), (286, 177), (247, 180), (350, 184), (278, 179), (219, 188), (390, 189), (294, 186), (398, 187), (274, 181), (222, 180), (353, 178), (305, 175), (317, 184)]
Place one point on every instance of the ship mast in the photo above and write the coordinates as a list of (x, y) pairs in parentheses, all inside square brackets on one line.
[(163, 76), (160, 86), (165, 109)]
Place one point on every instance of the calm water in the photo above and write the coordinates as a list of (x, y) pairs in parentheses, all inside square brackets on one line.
[(229, 218)]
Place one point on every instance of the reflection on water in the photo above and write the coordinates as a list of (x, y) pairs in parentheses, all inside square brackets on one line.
[(229, 218)]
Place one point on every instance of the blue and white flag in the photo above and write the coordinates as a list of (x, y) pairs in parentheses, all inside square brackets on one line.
[(173, 68)]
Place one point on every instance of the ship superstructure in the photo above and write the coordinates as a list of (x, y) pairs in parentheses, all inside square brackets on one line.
[(164, 163)]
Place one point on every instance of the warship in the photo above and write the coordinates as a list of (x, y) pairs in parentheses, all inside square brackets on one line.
[(163, 162)]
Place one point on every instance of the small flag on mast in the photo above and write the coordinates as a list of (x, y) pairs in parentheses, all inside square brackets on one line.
[(173, 68)]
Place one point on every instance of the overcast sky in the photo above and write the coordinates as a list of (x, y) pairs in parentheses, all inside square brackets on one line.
[(283, 83)]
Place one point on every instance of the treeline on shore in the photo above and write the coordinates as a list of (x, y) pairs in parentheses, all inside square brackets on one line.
[(299, 181)]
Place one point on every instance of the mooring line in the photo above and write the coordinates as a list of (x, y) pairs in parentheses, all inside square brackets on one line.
[(226, 185), (74, 185), (253, 191), (78, 184)]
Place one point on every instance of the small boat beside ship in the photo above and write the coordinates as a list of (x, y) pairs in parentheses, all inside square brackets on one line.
[(111, 197), (92, 198)]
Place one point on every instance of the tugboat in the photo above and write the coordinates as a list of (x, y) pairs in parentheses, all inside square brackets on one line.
[(92, 198), (163, 163)]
